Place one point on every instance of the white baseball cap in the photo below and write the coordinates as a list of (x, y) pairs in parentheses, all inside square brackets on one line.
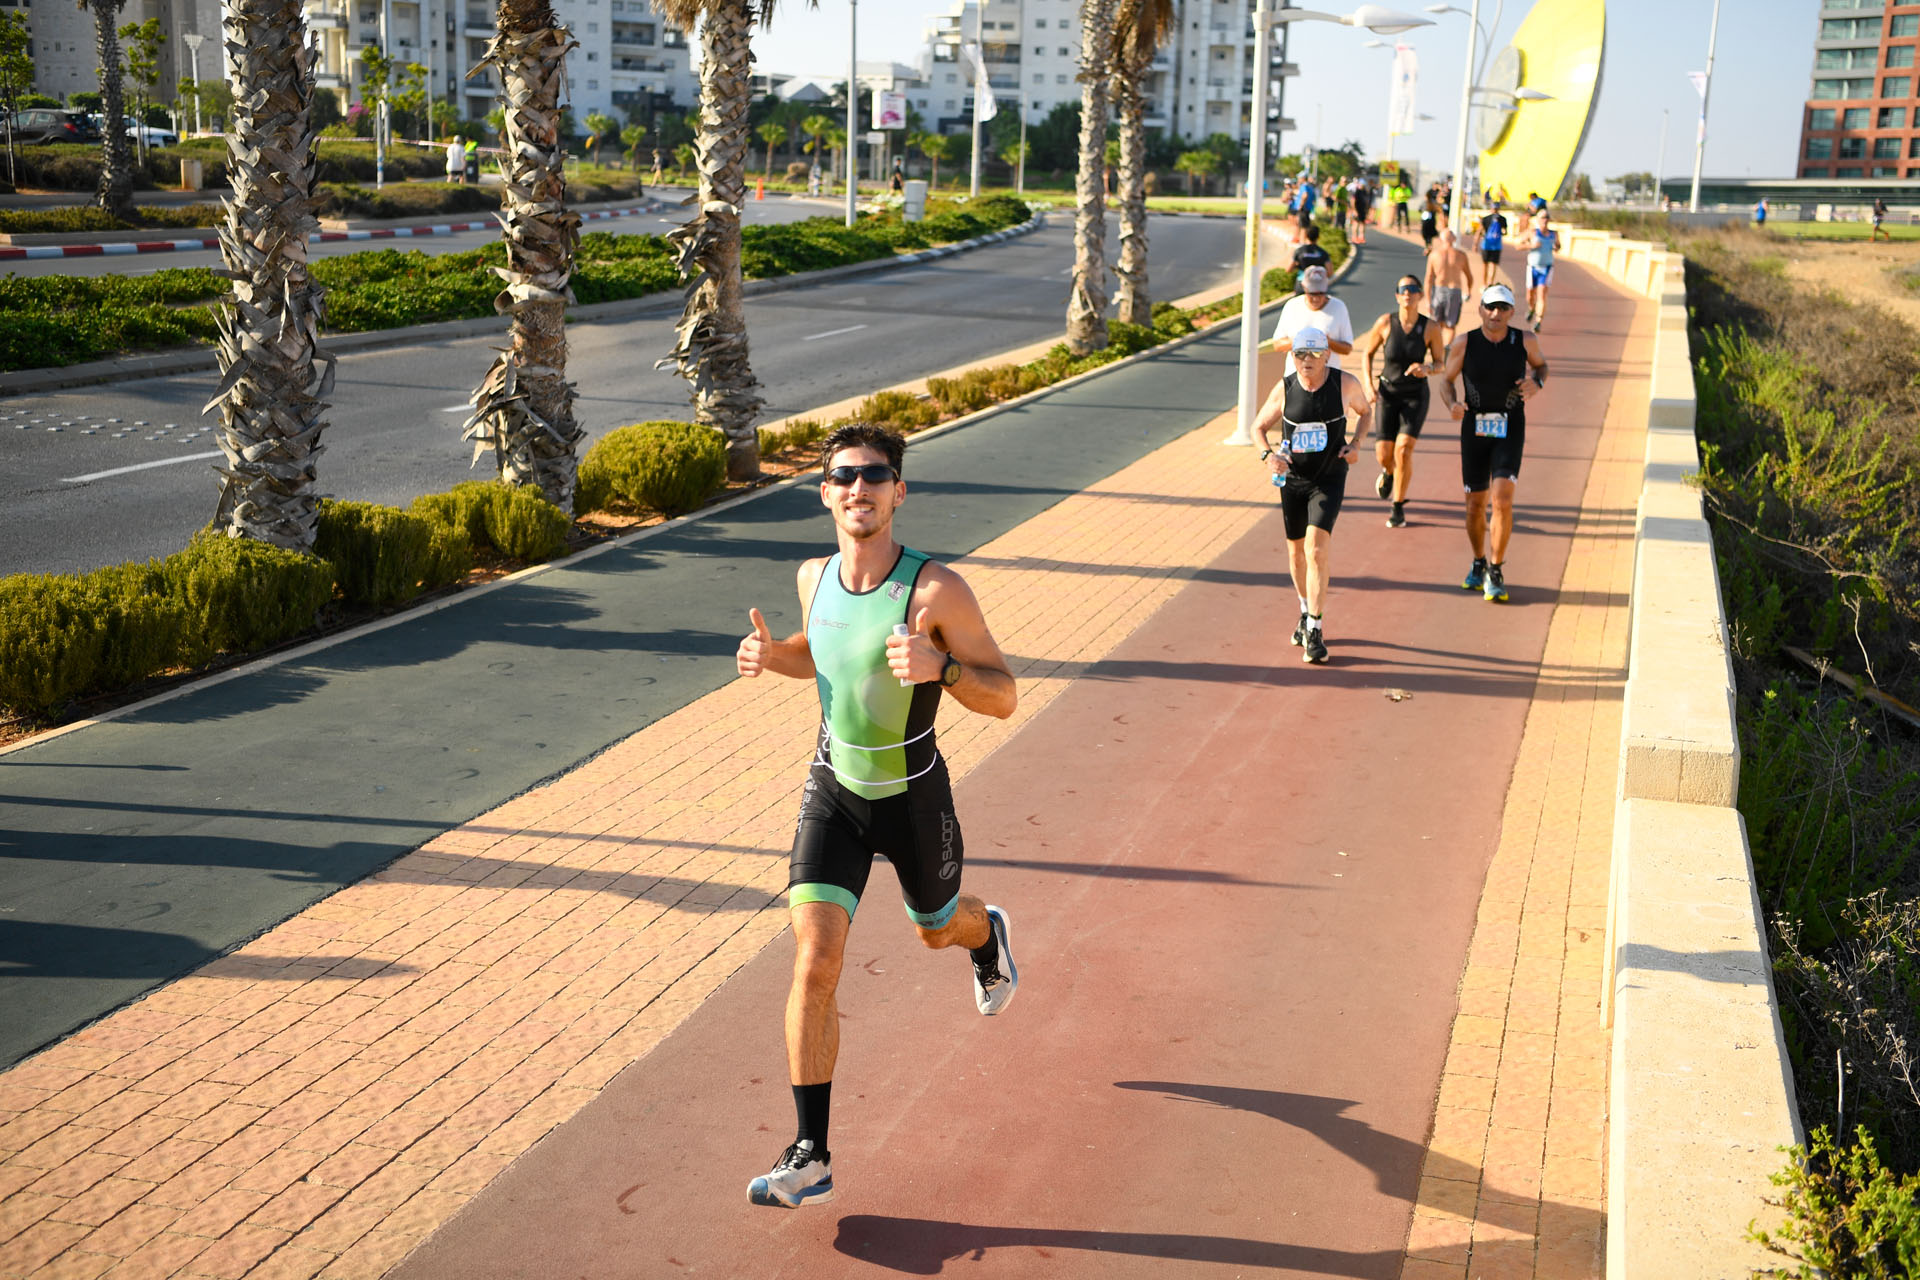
[(1496, 293), (1313, 280), (1309, 340)]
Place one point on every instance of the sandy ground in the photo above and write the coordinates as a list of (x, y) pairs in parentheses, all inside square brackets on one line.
[(1859, 270)]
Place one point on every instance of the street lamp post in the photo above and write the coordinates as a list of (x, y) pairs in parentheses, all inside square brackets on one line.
[(980, 85), (1456, 205), (1706, 87), (1375, 18), (853, 104), (1660, 169), (193, 42)]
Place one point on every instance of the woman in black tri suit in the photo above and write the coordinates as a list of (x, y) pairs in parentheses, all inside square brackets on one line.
[(1309, 410), (1411, 343)]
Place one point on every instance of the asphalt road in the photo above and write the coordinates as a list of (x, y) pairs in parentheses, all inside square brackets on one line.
[(771, 210), (142, 482)]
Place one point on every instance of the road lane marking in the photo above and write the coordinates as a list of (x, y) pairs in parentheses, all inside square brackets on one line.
[(833, 333), (138, 466)]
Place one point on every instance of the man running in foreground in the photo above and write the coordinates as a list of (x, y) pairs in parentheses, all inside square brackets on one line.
[(1413, 350), (1311, 406), (1492, 361), (887, 632)]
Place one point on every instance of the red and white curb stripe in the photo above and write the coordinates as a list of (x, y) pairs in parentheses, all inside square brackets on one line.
[(11, 254)]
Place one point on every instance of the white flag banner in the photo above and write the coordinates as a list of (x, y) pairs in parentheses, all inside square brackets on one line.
[(984, 107), (1699, 79), (1401, 115)]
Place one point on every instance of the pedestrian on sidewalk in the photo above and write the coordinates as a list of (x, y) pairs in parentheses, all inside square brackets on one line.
[(887, 633), (456, 160), (1311, 407), (1412, 350), (1493, 363), (1314, 308)]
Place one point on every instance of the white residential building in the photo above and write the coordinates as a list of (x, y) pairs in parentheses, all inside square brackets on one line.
[(63, 43), (1201, 84)]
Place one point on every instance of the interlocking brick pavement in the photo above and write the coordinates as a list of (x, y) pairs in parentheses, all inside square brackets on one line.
[(320, 1100), (1514, 1182)]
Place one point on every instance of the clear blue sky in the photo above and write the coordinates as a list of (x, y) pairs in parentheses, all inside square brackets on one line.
[(1761, 76)]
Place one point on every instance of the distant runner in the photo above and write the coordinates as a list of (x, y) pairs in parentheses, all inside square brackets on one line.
[(1430, 218), (887, 633), (1311, 254), (1309, 463), (1493, 231), (1880, 216), (1541, 242), (1449, 277), (1412, 351), (1492, 363)]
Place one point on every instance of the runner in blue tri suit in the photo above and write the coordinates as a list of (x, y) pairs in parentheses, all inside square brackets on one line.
[(888, 633), (1492, 363), (1493, 232), (1541, 243)]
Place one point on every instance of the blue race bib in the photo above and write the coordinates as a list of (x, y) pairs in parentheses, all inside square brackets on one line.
[(1307, 437), (1490, 426)]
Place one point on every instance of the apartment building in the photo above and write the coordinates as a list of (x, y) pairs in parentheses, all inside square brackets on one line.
[(1862, 117), (63, 42), (1200, 84)]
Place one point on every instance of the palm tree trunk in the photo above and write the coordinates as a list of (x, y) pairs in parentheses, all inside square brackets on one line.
[(710, 350), (1136, 307), (523, 409), (1087, 304), (116, 167), (270, 400)]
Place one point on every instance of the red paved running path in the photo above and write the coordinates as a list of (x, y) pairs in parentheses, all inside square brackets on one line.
[(1241, 892)]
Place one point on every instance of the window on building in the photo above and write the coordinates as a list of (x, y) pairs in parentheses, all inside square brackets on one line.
[(1059, 79), (952, 78), (1819, 148), (593, 56), (1820, 118), (1891, 118), (1844, 59), (1039, 79), (1886, 171), (1040, 23), (1875, 5), (1850, 29), (1904, 24), (1913, 149), (1854, 118), (1853, 148), (1827, 90), (1847, 171), (592, 84), (1886, 148), (1065, 52), (1814, 171), (593, 28), (1039, 51), (1900, 55), (1896, 87), (949, 104)]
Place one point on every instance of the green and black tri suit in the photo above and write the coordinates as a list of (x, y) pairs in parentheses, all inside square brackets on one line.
[(877, 783)]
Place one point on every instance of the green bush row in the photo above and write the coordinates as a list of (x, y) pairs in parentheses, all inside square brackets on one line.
[(64, 636), (88, 217), (48, 321)]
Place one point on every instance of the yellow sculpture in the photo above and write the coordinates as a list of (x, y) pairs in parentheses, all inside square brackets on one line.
[(1533, 146)]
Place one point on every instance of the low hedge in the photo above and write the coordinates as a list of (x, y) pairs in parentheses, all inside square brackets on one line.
[(64, 636), (401, 199), (666, 467)]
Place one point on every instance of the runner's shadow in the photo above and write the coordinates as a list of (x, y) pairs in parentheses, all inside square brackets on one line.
[(923, 1247)]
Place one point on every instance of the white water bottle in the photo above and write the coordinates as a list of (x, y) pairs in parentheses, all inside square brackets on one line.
[(901, 629)]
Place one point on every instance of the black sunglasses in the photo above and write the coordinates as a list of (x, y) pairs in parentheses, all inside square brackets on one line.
[(1498, 306), (1408, 288), (872, 473)]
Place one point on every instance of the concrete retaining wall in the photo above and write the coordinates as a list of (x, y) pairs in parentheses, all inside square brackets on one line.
[(1700, 1095)]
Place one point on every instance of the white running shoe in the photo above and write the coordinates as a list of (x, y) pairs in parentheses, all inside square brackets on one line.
[(993, 989), (799, 1179)]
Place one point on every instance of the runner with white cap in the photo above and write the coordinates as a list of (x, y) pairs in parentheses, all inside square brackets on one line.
[(1314, 307), (1492, 363), (1310, 409)]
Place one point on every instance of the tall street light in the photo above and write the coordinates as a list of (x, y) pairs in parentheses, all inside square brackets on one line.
[(1376, 18), (193, 42), (1706, 87), (853, 105), (1455, 205)]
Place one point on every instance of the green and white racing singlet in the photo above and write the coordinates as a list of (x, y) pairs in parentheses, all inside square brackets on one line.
[(875, 735)]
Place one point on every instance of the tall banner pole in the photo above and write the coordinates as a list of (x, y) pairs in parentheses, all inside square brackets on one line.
[(1706, 88)]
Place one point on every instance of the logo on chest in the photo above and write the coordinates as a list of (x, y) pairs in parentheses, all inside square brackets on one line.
[(896, 591)]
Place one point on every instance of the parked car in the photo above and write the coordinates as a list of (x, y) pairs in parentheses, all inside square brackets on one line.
[(50, 124), (156, 135)]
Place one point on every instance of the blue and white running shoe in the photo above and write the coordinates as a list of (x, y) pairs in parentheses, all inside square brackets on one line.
[(1476, 577), (802, 1177), (993, 987)]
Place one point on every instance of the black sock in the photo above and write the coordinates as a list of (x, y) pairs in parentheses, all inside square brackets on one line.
[(987, 955), (813, 1102)]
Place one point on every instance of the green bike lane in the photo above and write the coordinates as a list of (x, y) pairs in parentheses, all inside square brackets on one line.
[(133, 851)]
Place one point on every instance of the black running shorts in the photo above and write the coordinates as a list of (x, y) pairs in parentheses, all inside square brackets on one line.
[(1490, 255), (1312, 501), (840, 832), (1401, 413), (1482, 460)]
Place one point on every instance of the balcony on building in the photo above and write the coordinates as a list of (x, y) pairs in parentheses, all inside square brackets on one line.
[(320, 20), (480, 24), (329, 80)]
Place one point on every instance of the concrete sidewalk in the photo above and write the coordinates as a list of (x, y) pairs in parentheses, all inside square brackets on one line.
[(327, 1098)]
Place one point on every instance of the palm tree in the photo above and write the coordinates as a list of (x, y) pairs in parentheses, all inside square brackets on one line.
[(836, 139), (1140, 28), (1197, 164), (935, 147), (710, 350), (771, 133), (632, 136), (269, 398), (600, 127), (817, 127), (523, 408), (1087, 303), (116, 166)]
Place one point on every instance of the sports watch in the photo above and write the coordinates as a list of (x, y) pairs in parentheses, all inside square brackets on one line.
[(951, 672)]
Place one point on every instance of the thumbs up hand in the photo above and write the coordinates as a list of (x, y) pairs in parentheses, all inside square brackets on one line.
[(755, 650), (912, 657)]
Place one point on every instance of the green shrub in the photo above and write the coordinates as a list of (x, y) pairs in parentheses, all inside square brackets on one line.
[(797, 434), (1129, 339), (51, 641), (1848, 1215), (669, 467), (967, 393), (1171, 320), (523, 525), (380, 555), (901, 410), (401, 200), (462, 508), (145, 627), (241, 595)]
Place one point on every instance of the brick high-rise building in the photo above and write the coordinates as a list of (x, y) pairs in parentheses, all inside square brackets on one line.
[(1863, 118)]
